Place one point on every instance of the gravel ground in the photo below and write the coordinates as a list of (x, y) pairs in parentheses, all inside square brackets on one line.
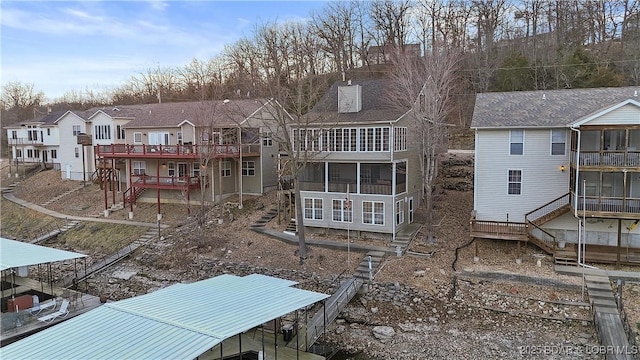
[(433, 310)]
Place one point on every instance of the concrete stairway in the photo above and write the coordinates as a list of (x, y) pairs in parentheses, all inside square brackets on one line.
[(61, 230), (363, 272), (69, 192)]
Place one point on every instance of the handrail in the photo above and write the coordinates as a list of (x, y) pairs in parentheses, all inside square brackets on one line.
[(553, 238), (553, 203)]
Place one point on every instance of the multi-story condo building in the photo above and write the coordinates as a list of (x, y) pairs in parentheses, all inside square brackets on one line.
[(560, 168)]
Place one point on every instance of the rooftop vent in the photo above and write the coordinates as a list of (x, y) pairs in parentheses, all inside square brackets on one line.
[(349, 98)]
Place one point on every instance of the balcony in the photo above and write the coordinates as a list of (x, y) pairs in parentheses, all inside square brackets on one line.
[(25, 141), (629, 158), (177, 151), (609, 206), (165, 182)]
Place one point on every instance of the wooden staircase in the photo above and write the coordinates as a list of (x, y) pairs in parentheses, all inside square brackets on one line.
[(566, 256), (131, 195), (545, 240)]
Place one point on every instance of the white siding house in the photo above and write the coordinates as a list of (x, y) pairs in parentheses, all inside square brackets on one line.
[(559, 167)]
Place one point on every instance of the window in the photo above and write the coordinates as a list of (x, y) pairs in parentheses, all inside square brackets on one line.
[(342, 210), (102, 132), (558, 141), (77, 151), (48, 132), (119, 132), (373, 212), (139, 167), (248, 168), (400, 139), (137, 138), (76, 130), (18, 153), (266, 139), (158, 138), (54, 154), (179, 137), (32, 135), (225, 169), (195, 169), (516, 140), (313, 209), (171, 169), (14, 134), (374, 139), (399, 212), (515, 182), (30, 153)]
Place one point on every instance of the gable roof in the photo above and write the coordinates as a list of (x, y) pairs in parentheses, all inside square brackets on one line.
[(201, 113), (47, 119), (376, 106), (545, 108), (181, 321)]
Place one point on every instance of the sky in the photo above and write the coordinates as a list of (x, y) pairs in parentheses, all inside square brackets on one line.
[(59, 46)]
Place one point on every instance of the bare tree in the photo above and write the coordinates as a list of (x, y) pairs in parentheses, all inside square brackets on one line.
[(21, 98), (427, 86)]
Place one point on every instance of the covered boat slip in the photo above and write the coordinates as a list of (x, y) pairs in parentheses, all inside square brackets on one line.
[(25, 299), (182, 321)]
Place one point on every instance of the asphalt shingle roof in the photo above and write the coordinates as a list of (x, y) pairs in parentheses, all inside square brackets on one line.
[(545, 108), (376, 105), (200, 113)]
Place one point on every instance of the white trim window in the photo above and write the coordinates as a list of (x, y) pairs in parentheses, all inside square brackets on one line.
[(342, 210), (76, 151), (18, 153), (400, 139), (374, 139), (195, 168), (171, 168), (248, 168), (179, 137), (76, 130), (515, 182), (54, 153), (373, 212), (137, 138), (225, 168), (312, 209), (267, 139), (139, 167), (158, 138), (399, 212), (102, 132), (516, 142), (558, 141), (119, 132)]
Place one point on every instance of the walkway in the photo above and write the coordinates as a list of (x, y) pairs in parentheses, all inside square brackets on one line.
[(9, 196), (99, 265), (365, 272), (607, 319)]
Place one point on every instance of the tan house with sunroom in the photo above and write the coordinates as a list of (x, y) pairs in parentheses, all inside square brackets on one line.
[(361, 173)]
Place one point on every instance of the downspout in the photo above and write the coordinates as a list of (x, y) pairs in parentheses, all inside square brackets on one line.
[(577, 187), (393, 184), (240, 163)]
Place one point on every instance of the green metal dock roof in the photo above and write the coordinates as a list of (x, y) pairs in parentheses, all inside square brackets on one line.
[(178, 322), (17, 253)]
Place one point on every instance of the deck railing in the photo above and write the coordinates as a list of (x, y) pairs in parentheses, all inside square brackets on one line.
[(498, 227), (548, 208), (194, 151), (608, 204), (619, 158)]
